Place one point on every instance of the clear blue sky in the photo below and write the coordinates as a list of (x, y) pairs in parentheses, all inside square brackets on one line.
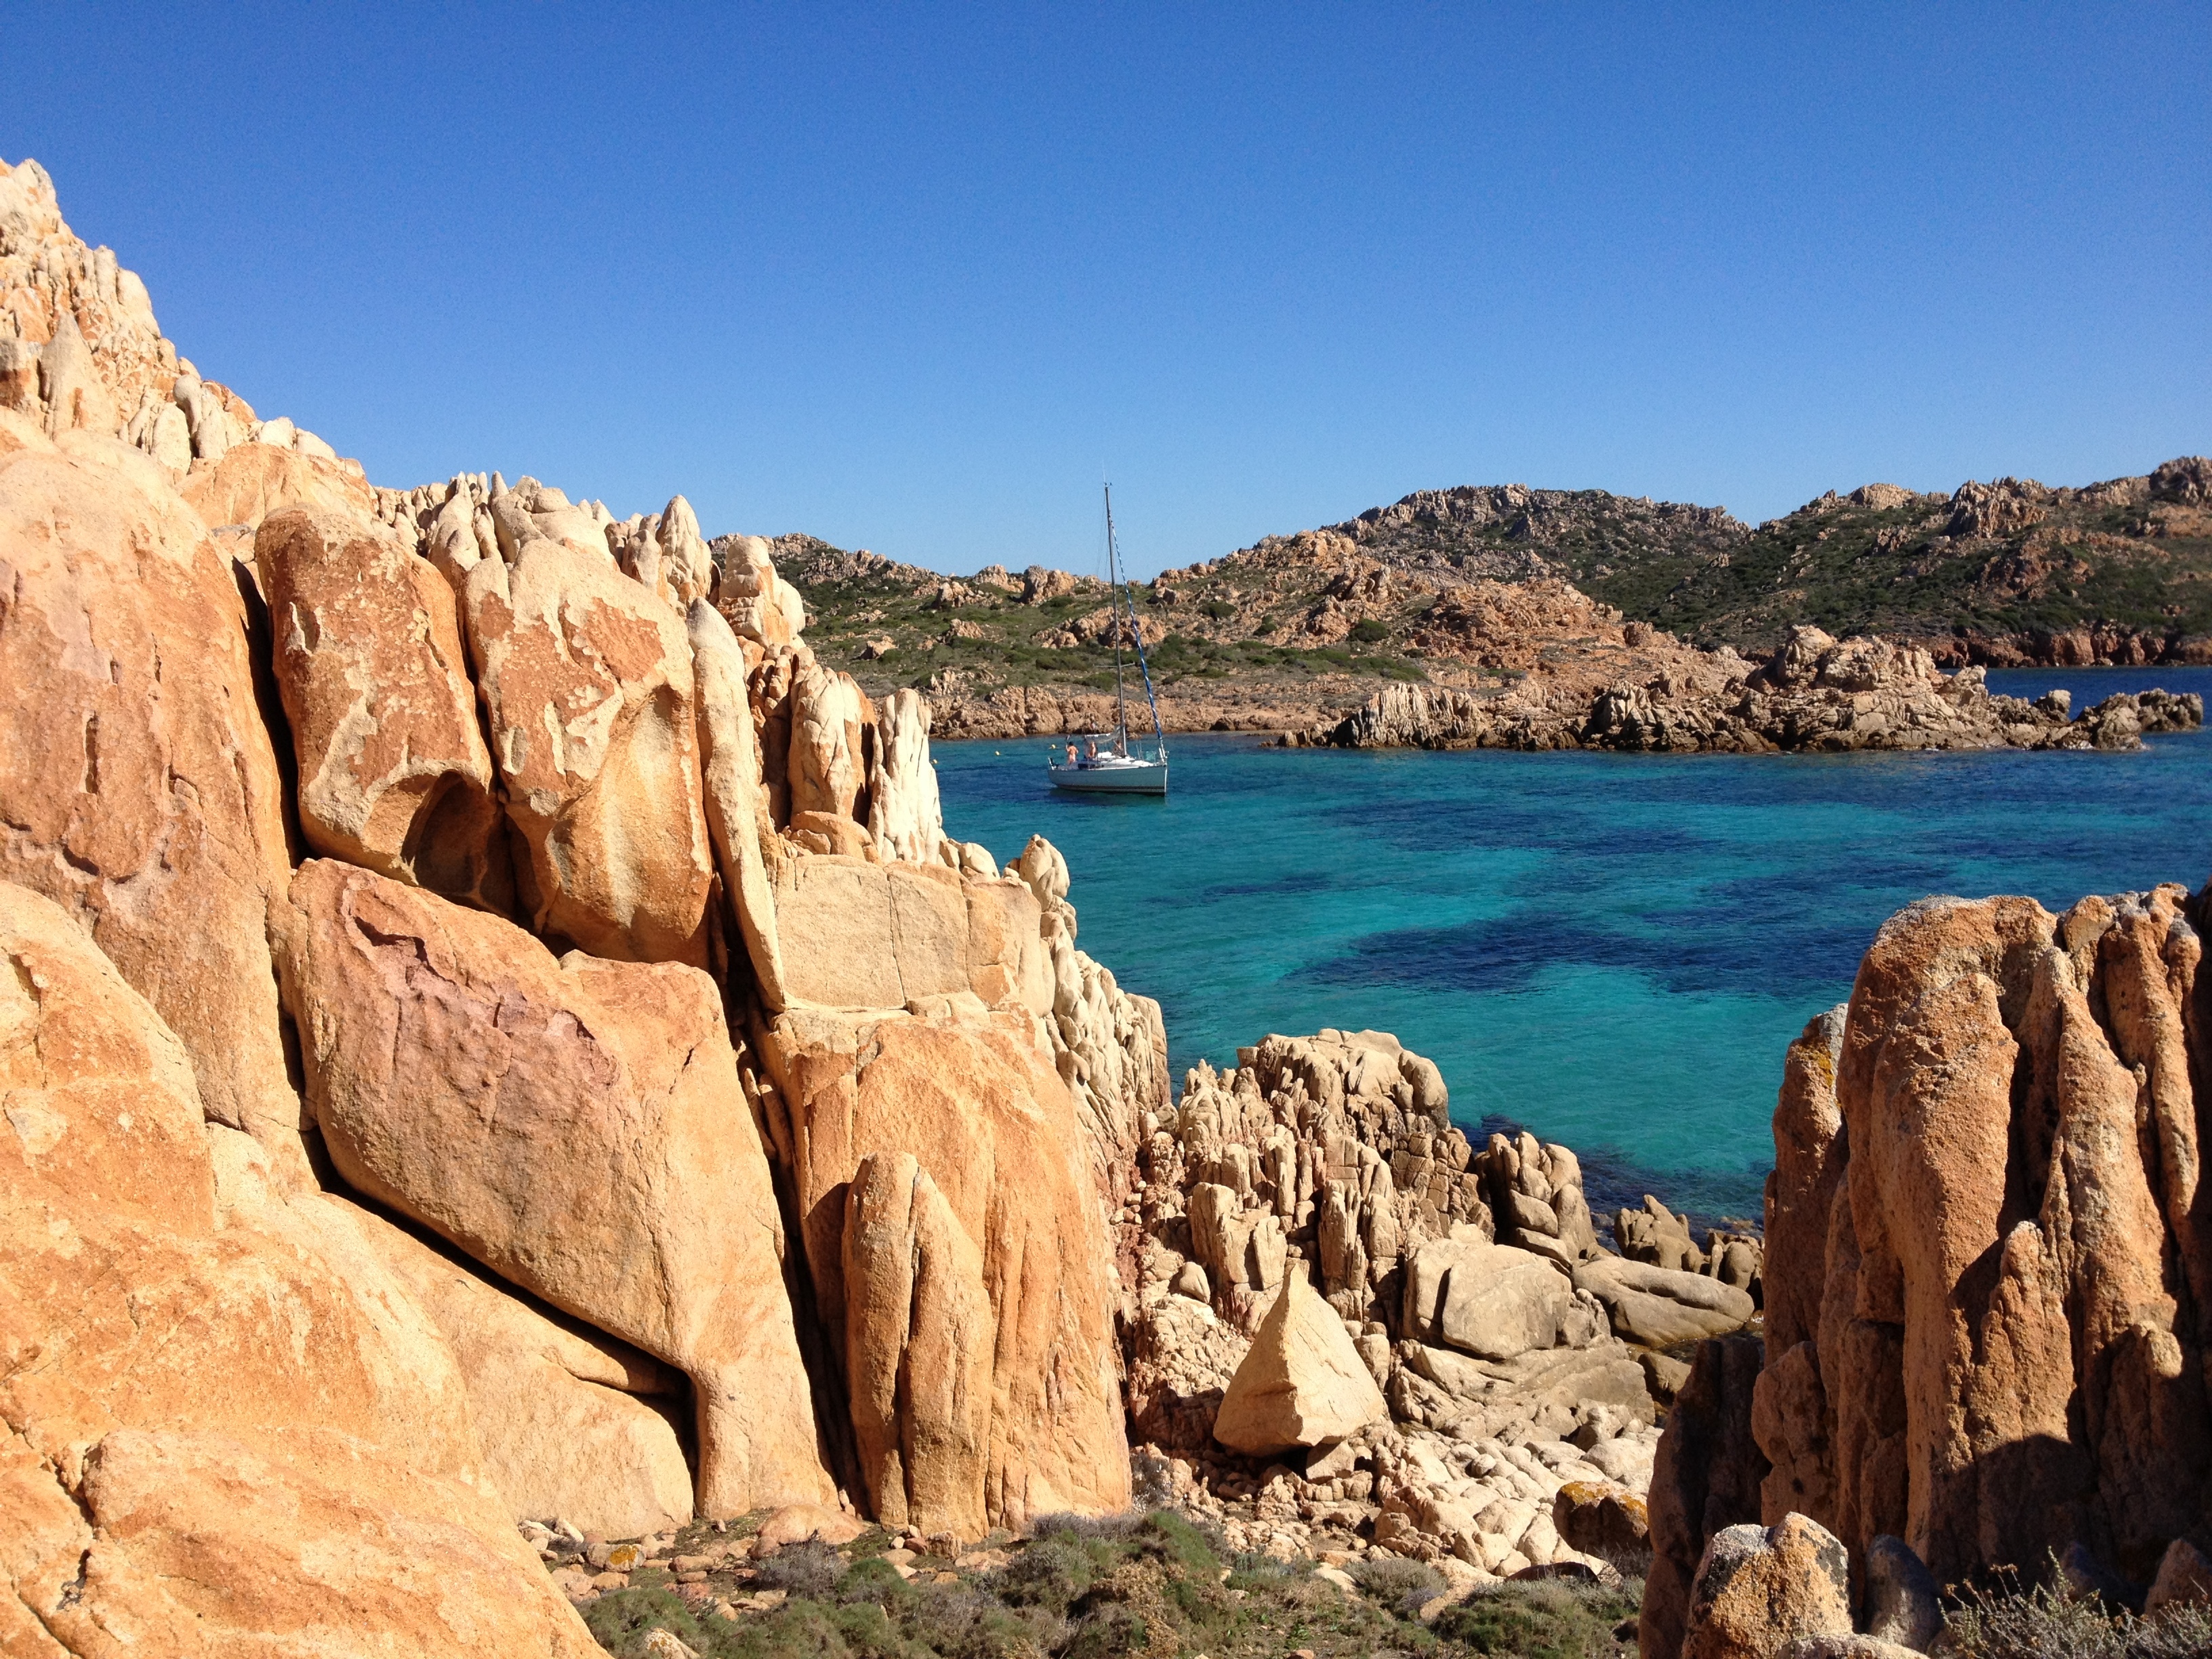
[(907, 277)]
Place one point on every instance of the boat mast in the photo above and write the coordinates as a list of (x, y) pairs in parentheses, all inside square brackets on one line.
[(1113, 607)]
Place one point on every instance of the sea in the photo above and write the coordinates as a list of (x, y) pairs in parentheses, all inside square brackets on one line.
[(1611, 950)]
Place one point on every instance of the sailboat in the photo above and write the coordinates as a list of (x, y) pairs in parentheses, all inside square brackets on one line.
[(1103, 762)]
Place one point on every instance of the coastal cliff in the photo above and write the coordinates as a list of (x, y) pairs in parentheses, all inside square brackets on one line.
[(474, 971)]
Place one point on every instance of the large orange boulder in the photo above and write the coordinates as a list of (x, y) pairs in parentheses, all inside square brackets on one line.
[(977, 1103), (228, 1429), (393, 772), (918, 1337), (578, 1126), (138, 787), (587, 691), (1994, 1344)]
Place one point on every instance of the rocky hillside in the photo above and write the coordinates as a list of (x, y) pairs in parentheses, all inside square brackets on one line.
[(1434, 588)]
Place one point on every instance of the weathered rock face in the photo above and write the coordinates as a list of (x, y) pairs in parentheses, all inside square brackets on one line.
[(1995, 1348), (1661, 1308), (904, 815), (138, 786), (1489, 1300), (854, 932), (760, 605), (736, 801), (336, 1503), (665, 553), (919, 1331), (573, 1425), (587, 692), (1110, 1046), (254, 480), (832, 735), (1330, 1156), (1760, 1589), (972, 1101), (578, 1128), (79, 347), (393, 772), (1816, 693), (1535, 1197), (1302, 1384)]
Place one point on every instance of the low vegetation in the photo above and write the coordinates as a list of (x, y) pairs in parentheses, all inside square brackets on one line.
[(2010, 1623), (1157, 1585)]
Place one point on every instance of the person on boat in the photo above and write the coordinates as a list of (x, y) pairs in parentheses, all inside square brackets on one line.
[(1071, 751), (1090, 751)]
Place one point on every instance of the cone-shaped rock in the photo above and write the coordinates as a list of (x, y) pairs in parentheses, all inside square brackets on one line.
[(1302, 1384)]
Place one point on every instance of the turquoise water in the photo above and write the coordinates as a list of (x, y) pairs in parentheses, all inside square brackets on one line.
[(1614, 950)]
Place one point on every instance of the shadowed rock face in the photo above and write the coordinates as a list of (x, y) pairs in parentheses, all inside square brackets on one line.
[(919, 1330), (1992, 1349), (572, 1422)]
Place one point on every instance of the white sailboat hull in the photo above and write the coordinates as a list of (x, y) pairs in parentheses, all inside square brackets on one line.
[(1114, 777)]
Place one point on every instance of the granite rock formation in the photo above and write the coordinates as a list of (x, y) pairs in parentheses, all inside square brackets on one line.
[(578, 1128), (1323, 1173), (340, 1501), (1984, 1270), (477, 975), (1992, 1347), (1815, 693)]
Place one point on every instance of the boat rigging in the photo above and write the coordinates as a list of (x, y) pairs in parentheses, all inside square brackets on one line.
[(1116, 768)]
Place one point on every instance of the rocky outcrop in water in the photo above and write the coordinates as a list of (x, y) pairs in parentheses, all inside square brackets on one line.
[(1816, 694)]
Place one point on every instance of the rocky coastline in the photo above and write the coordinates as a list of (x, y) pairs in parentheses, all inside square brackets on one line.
[(516, 1110), (1816, 693)]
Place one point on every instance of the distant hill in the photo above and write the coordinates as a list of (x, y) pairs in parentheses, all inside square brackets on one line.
[(2012, 571)]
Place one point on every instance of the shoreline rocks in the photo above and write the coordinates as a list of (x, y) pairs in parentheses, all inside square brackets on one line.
[(1814, 694)]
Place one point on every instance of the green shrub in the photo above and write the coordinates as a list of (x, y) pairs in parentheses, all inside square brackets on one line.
[(1547, 1619), (873, 1579), (621, 1621), (1176, 1538), (1398, 1583), (1052, 1574), (1373, 631)]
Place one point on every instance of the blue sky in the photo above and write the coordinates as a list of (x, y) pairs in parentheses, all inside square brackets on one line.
[(909, 278)]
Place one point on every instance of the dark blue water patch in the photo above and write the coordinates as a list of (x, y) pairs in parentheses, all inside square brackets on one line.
[(1296, 884), (1685, 953)]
